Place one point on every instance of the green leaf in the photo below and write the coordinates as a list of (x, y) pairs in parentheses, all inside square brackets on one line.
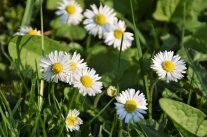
[(199, 73), (169, 41), (105, 61), (67, 31), (198, 40), (187, 120), (52, 4), (26, 51), (173, 11)]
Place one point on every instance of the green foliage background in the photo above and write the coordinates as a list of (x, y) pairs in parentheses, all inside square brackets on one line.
[(178, 25)]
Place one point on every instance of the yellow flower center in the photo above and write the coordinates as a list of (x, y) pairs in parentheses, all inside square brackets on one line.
[(130, 105), (71, 9), (57, 68), (168, 66), (71, 120), (87, 81), (118, 34), (100, 19), (32, 32), (73, 66)]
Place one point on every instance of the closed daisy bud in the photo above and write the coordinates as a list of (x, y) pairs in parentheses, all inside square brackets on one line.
[(131, 105), (111, 91), (168, 65)]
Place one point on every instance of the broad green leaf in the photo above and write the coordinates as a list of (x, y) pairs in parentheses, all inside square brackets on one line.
[(198, 40), (198, 73), (169, 94), (64, 30), (52, 4), (75, 46), (173, 11), (194, 79), (187, 120), (169, 41), (26, 51)]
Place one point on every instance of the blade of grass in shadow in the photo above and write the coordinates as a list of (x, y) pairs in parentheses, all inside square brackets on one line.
[(28, 13), (4, 123), (114, 123), (17, 106)]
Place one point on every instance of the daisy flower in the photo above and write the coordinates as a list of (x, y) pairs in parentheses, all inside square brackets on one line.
[(76, 63), (87, 81), (55, 66), (168, 65), (131, 105), (70, 12), (27, 31), (115, 34), (73, 121), (98, 19)]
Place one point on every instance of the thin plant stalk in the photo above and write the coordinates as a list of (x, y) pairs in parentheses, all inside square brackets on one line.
[(101, 111)]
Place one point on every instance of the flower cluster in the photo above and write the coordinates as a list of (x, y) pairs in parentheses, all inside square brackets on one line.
[(61, 66), (99, 21), (102, 22)]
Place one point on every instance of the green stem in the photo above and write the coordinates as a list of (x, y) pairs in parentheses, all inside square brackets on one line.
[(183, 27), (113, 125), (120, 128), (150, 99), (27, 13), (42, 28), (101, 111), (136, 34), (128, 129)]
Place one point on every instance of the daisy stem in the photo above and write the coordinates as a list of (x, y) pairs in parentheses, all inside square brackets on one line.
[(136, 33), (128, 129), (42, 27), (183, 27), (40, 98), (72, 99), (113, 125), (151, 93), (27, 13), (101, 110), (120, 128), (148, 97)]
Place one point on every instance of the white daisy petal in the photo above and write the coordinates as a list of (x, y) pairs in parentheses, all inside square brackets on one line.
[(168, 65), (70, 12), (131, 105), (55, 66), (76, 63), (27, 31), (72, 121), (114, 35), (87, 81), (101, 18)]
